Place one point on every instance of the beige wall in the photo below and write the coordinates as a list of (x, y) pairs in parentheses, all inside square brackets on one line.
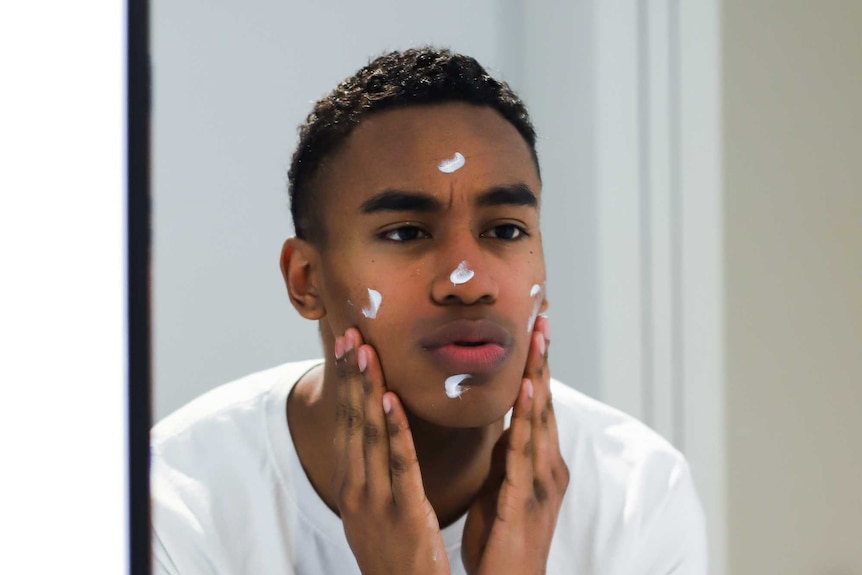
[(793, 246)]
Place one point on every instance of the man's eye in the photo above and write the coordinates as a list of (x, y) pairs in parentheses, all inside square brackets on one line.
[(405, 234), (505, 232)]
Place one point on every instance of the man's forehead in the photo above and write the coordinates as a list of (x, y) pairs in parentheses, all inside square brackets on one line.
[(433, 133), (425, 147)]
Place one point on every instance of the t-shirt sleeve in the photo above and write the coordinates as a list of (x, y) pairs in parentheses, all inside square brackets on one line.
[(674, 543)]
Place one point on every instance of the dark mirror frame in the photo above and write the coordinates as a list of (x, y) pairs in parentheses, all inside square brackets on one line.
[(138, 228)]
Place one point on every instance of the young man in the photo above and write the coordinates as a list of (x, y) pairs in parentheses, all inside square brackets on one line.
[(427, 440)]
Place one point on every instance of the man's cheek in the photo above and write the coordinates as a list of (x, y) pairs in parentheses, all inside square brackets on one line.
[(369, 302), (371, 311), (361, 304)]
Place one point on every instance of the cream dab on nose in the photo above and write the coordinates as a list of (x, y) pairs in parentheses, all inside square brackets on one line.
[(452, 164), (461, 274), (374, 301)]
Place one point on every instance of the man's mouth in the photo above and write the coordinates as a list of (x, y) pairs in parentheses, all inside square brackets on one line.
[(466, 346), (473, 358)]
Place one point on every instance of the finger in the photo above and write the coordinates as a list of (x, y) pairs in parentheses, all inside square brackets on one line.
[(497, 471), (341, 403), (406, 477), (537, 356), (537, 372), (537, 369), (546, 453), (519, 456), (374, 432), (350, 411)]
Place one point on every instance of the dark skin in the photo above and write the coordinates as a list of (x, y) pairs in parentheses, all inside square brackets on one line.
[(381, 441)]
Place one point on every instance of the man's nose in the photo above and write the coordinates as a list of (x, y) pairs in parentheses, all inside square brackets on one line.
[(462, 276)]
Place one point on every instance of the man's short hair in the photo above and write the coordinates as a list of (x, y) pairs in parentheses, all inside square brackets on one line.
[(416, 76)]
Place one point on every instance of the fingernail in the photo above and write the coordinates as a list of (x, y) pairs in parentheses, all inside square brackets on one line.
[(542, 344), (361, 359), (387, 404), (546, 329), (348, 342), (529, 385), (339, 348)]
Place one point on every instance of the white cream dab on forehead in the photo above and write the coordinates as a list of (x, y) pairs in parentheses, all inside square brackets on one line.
[(374, 299), (454, 163), (461, 274), (454, 389)]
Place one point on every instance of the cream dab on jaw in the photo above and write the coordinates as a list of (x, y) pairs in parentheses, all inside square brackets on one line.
[(374, 300), (454, 389), (461, 274), (535, 291), (453, 164)]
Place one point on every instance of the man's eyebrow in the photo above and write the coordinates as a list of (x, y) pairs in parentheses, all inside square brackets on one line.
[(400, 201), (513, 195)]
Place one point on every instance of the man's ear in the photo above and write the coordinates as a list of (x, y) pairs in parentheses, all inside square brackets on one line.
[(300, 268)]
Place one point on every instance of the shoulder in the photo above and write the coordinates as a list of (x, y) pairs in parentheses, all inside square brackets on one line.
[(227, 405), (613, 437), (613, 452), (610, 432), (211, 436), (213, 467), (636, 488)]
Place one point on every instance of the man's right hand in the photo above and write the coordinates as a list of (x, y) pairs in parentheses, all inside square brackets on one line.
[(390, 524)]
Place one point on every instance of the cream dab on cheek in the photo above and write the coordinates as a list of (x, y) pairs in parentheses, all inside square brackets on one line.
[(461, 274), (374, 300), (454, 389), (452, 164), (535, 292)]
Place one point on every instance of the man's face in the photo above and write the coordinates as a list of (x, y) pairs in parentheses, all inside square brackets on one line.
[(434, 252)]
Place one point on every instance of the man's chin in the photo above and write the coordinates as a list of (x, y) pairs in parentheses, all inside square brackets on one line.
[(474, 407)]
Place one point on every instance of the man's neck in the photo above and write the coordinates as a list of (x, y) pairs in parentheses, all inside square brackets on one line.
[(454, 463)]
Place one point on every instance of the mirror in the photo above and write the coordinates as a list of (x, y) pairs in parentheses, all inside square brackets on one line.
[(674, 137), (231, 84)]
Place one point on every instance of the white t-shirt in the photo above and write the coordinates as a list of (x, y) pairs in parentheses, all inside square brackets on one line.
[(229, 495)]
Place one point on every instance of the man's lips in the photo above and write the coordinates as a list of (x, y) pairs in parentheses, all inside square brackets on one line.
[(484, 358), (468, 346)]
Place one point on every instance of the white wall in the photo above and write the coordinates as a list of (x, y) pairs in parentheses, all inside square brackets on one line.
[(233, 80), (793, 229), (658, 193)]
